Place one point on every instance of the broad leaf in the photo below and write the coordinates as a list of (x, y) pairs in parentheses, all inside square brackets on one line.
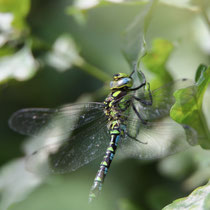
[(188, 107), (199, 199), (155, 61), (19, 8), (12, 20)]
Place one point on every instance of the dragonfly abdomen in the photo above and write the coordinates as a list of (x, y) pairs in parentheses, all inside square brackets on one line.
[(105, 164), (115, 104)]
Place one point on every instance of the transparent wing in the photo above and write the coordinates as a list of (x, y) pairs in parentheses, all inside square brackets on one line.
[(163, 99), (159, 139), (161, 134), (30, 121), (63, 139), (67, 154)]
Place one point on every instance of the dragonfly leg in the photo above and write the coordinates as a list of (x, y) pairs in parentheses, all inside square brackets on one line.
[(145, 102), (141, 85), (135, 139), (138, 114), (138, 87), (134, 69)]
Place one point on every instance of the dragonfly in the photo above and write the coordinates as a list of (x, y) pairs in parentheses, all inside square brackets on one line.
[(132, 118)]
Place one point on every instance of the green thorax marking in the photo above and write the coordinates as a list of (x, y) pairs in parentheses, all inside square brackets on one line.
[(117, 101), (115, 94)]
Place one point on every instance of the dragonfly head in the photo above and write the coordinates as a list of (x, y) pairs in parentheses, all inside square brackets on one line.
[(121, 80)]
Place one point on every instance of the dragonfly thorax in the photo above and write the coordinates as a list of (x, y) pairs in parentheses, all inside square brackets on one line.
[(116, 103), (118, 100)]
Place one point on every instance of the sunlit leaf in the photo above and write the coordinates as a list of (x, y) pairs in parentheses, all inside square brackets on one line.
[(64, 54), (156, 59), (198, 199), (188, 107), (19, 9), (19, 66)]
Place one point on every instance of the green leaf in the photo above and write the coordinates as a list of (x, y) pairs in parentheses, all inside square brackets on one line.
[(13, 25), (202, 83), (188, 107), (155, 61), (19, 8), (134, 36), (199, 71), (198, 199)]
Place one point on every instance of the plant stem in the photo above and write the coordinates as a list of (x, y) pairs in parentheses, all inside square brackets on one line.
[(94, 71)]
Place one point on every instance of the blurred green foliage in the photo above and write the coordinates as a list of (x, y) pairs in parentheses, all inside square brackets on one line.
[(188, 107), (155, 61), (57, 52)]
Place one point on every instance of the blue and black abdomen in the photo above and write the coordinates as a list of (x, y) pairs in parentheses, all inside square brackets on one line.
[(116, 129), (104, 166)]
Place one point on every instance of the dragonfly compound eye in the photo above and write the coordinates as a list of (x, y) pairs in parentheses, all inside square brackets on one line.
[(118, 76), (123, 82)]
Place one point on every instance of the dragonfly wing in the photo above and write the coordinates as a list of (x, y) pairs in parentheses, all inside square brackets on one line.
[(163, 100), (32, 120), (159, 139), (84, 145), (162, 136)]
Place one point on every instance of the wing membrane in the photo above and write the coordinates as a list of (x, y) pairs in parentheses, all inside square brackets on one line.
[(161, 139), (32, 120), (66, 154), (162, 135), (163, 100)]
